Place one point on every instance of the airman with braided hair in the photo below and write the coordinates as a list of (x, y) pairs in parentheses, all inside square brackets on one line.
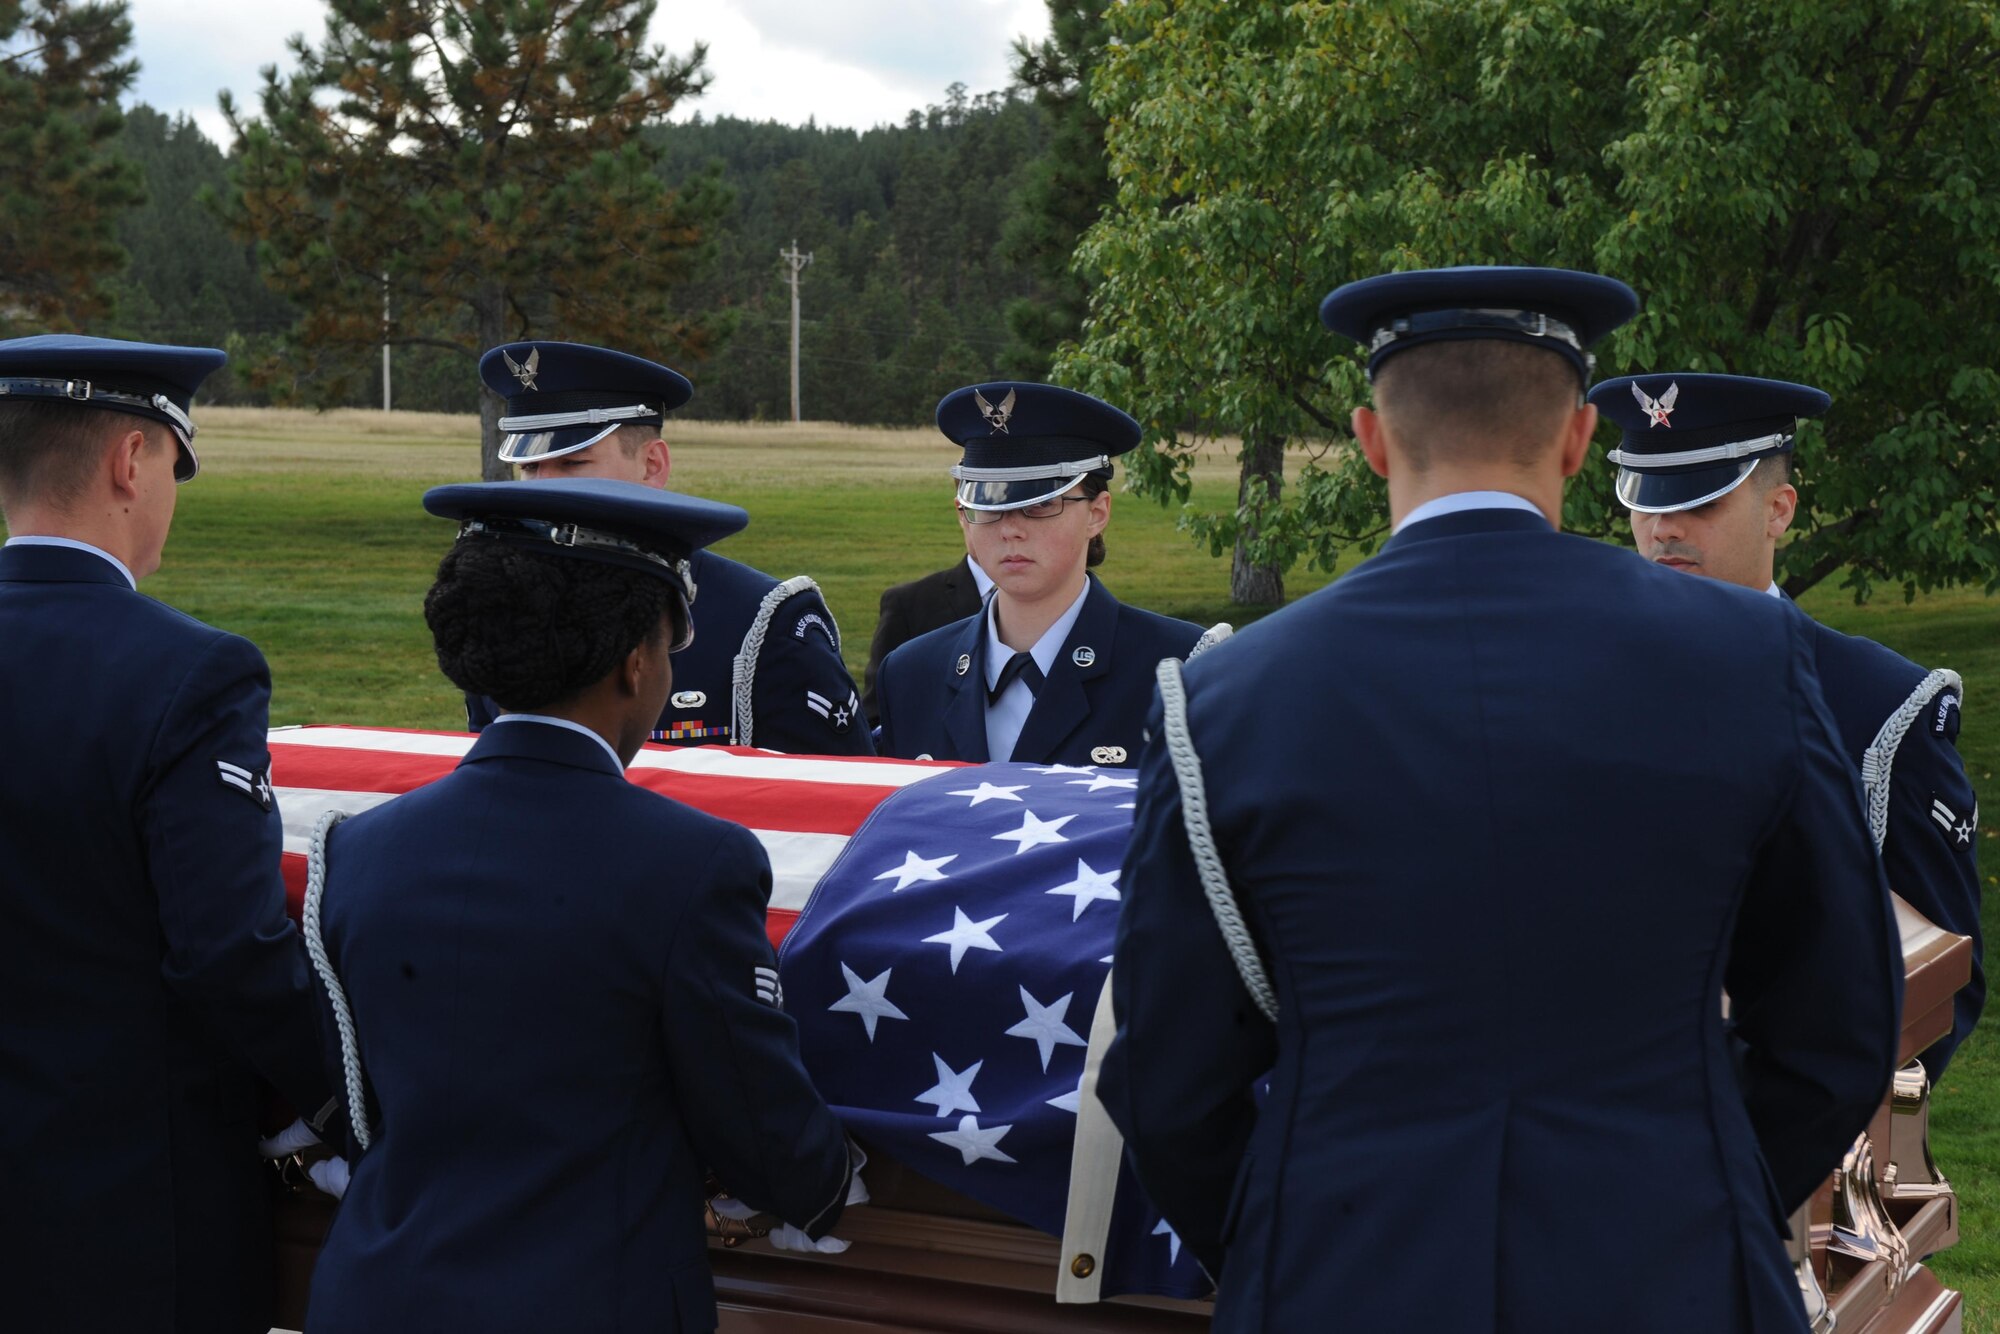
[(559, 982)]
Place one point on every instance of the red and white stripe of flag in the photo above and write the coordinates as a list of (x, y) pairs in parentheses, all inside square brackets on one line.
[(801, 808)]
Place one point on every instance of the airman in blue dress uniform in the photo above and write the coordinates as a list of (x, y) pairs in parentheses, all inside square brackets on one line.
[(150, 981), (1705, 468), (561, 992), (1506, 812), (1053, 669), (767, 669)]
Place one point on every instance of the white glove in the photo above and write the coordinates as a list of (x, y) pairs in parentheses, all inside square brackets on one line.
[(330, 1175), (288, 1141), (728, 1206), (788, 1238)]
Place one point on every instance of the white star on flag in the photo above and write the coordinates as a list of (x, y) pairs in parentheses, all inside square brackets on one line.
[(1088, 887), (1098, 782), (966, 934), (1070, 1101), (988, 792), (868, 999), (915, 868), (972, 1142), (1066, 769), (953, 1090), (1034, 832), (1045, 1025), (1173, 1241)]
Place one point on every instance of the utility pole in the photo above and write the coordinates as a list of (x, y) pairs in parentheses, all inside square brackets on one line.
[(797, 263), (385, 342)]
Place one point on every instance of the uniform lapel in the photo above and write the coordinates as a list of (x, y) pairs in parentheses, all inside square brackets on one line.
[(965, 705), (1063, 703)]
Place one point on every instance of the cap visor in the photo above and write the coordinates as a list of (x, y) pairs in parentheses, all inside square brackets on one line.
[(1665, 492), (186, 465), (1013, 495), (552, 444)]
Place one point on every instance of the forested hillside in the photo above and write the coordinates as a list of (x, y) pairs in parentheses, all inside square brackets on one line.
[(905, 297)]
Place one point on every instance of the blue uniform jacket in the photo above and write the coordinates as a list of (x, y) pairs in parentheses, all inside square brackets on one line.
[(933, 689), (803, 700), (148, 973), (554, 975), (1507, 810), (1931, 852)]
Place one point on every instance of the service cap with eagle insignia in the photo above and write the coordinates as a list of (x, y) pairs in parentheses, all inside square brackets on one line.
[(151, 380), (1561, 310), (562, 397), (1026, 442), (1692, 438)]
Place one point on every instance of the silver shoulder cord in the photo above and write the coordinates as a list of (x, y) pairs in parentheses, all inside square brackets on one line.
[(1210, 637), (1201, 840), (343, 1018), (1879, 760), (743, 672)]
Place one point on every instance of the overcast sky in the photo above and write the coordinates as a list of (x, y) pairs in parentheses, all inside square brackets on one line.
[(842, 62)]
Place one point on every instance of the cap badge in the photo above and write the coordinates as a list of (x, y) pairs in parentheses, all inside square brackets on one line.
[(1108, 755), (524, 371), (998, 417), (1084, 655), (689, 699), (964, 663), (1659, 409)]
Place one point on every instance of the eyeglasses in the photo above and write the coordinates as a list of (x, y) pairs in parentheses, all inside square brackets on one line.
[(1040, 509)]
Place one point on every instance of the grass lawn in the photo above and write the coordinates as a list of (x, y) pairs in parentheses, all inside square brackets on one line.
[(305, 534)]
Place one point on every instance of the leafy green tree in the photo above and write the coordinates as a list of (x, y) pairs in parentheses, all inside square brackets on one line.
[(62, 68), (1796, 190), (484, 166)]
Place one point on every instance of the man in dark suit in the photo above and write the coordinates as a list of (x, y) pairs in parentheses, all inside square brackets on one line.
[(917, 608), (1705, 467), (1503, 1091), (148, 973), (766, 669), (1054, 669)]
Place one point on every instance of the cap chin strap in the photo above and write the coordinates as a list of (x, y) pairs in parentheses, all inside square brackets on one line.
[(1530, 322), (555, 421), (1739, 449), (573, 535), (1032, 473)]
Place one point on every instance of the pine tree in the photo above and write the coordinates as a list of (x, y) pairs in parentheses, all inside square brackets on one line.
[(1067, 191), (62, 68), (483, 166)]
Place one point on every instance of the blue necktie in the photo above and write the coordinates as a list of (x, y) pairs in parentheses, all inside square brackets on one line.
[(1019, 667)]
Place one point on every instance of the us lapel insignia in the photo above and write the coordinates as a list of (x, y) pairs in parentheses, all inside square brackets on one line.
[(1108, 755), (1084, 655), (524, 371), (689, 699), (964, 663)]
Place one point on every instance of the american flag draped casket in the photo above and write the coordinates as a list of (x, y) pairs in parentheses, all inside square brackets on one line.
[(945, 955), (944, 935)]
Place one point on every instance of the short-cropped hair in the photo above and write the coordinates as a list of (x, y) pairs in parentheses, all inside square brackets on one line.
[(1475, 400), (48, 448), (528, 629)]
